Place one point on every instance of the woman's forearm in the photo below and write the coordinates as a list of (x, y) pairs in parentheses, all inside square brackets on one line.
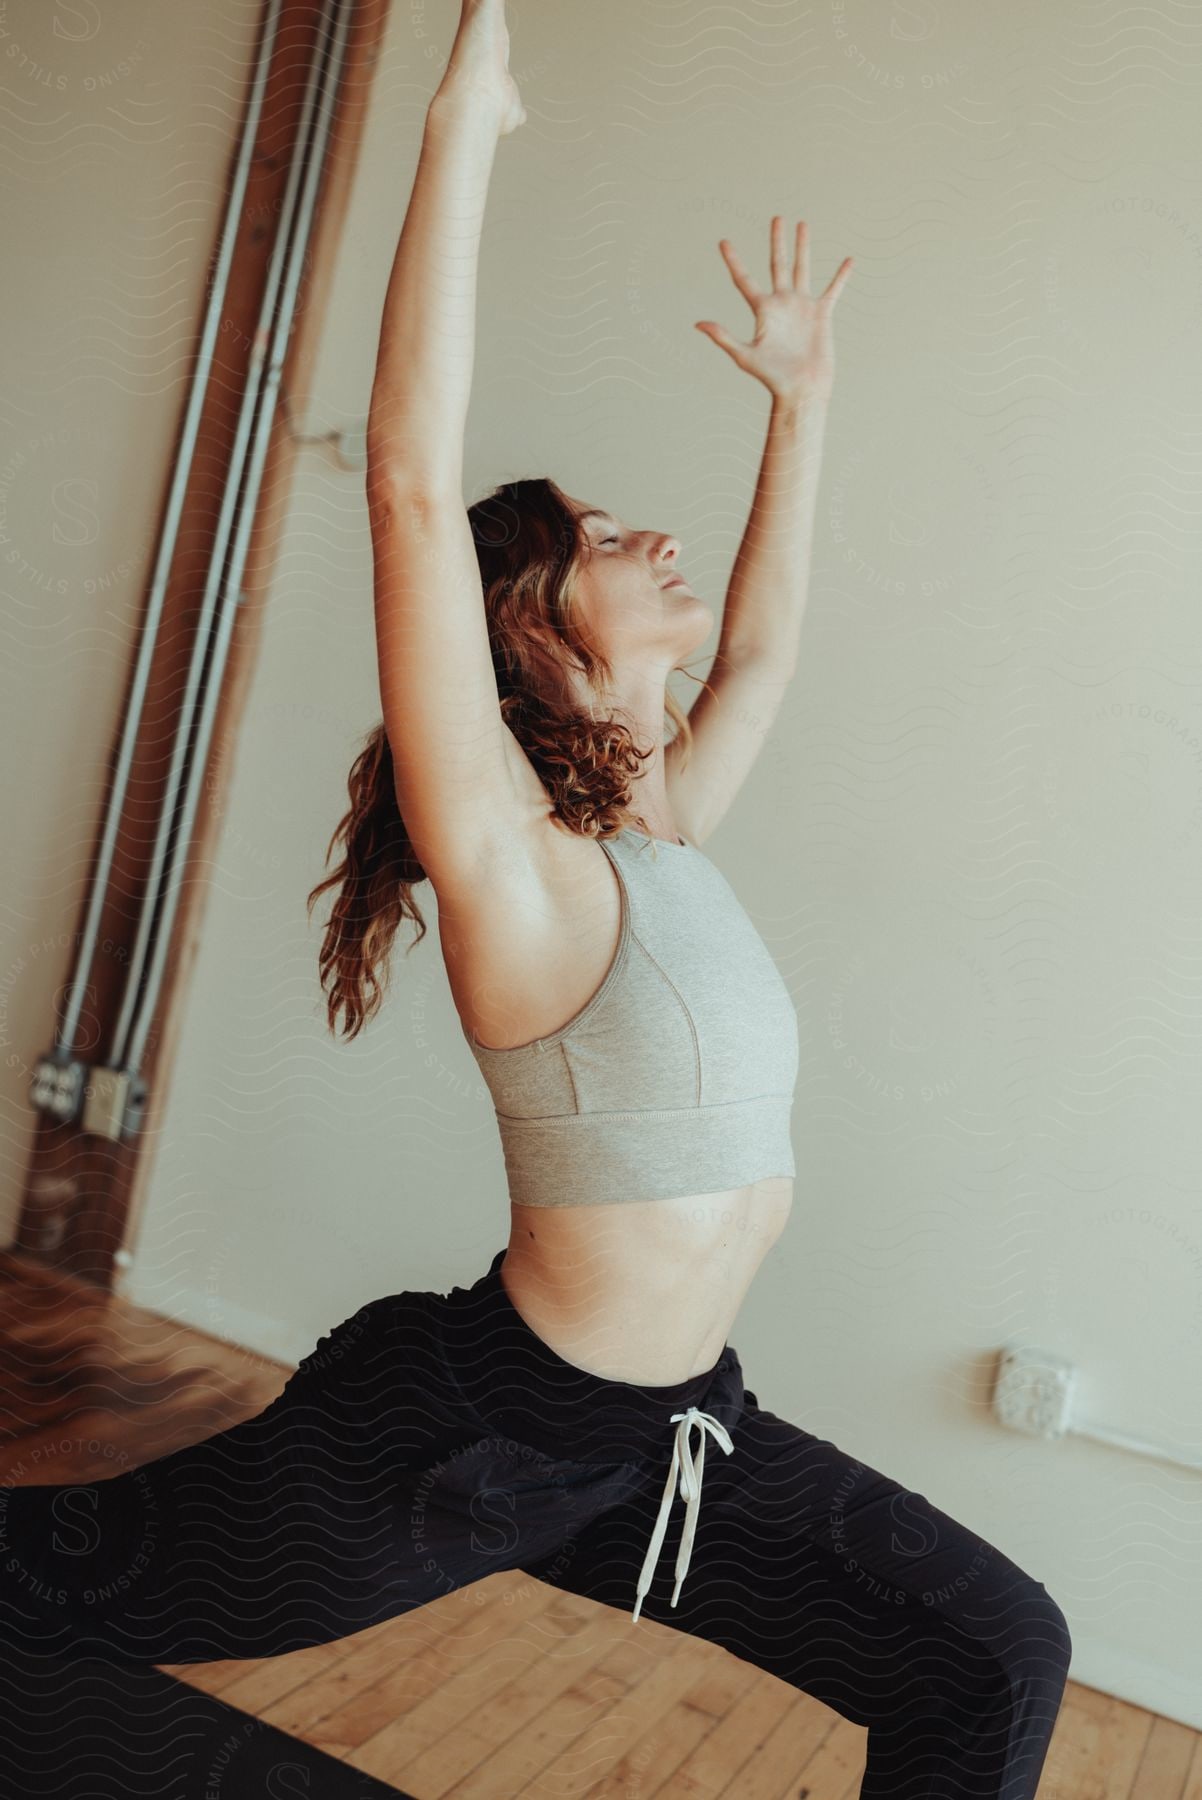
[(766, 597), (422, 386)]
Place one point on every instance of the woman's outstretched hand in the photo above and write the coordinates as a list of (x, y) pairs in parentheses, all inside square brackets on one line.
[(792, 352), (479, 61)]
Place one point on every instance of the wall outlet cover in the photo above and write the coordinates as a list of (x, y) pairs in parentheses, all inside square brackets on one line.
[(1033, 1391)]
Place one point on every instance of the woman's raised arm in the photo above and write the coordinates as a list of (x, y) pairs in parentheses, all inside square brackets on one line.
[(427, 336), (451, 750)]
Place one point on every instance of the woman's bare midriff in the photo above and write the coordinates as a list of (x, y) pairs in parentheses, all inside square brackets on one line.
[(646, 1291)]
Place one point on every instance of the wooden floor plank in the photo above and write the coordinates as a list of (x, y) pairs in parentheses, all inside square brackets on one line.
[(1193, 1779), (715, 1766), (551, 1698), (352, 1688), (836, 1765), (518, 1762), (1096, 1748), (446, 1636), (265, 1683), (725, 1679), (211, 1678), (650, 1732), (1165, 1764)]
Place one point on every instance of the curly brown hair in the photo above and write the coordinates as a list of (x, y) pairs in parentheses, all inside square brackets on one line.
[(530, 549)]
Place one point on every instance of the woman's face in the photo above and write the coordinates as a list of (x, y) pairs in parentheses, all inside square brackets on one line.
[(631, 594)]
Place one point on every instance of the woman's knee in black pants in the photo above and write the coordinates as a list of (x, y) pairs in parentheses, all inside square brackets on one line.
[(836, 1579)]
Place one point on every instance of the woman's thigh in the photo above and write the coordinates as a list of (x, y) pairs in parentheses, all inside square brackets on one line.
[(366, 1488), (351, 1498), (830, 1575)]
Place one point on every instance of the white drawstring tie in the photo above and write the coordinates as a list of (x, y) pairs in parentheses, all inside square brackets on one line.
[(690, 1492)]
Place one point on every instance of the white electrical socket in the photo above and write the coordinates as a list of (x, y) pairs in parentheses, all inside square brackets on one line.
[(1033, 1391)]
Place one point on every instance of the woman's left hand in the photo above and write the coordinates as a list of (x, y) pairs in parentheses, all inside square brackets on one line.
[(792, 351)]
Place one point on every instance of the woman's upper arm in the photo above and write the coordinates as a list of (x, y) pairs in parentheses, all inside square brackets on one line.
[(451, 749)]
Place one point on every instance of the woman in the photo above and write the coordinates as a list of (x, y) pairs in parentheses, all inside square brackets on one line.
[(641, 1049)]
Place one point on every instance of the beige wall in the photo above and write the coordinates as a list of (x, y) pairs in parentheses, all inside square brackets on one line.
[(973, 838)]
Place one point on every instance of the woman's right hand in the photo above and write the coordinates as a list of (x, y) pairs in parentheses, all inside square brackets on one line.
[(479, 61)]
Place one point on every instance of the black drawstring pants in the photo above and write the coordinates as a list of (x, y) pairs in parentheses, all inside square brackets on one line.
[(432, 1439)]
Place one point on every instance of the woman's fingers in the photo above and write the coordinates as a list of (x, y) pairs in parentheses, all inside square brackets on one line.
[(801, 258), (742, 279), (801, 266), (723, 338), (778, 252), (835, 286)]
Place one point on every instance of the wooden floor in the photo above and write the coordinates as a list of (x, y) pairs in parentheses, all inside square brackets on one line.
[(506, 1688)]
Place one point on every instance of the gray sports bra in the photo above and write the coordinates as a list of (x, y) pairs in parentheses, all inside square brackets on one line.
[(677, 1076)]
